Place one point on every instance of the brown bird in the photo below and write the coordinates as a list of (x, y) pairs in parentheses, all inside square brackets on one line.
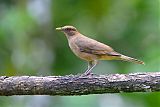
[(91, 50)]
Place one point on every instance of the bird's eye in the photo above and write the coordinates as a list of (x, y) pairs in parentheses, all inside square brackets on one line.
[(68, 29)]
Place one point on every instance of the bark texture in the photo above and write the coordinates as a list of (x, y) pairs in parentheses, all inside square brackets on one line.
[(79, 85)]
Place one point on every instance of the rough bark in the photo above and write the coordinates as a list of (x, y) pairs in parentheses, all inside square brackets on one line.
[(79, 85)]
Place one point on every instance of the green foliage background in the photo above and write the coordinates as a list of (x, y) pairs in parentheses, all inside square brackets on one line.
[(29, 45)]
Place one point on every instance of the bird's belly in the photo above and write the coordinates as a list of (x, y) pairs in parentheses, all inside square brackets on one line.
[(86, 56), (105, 57)]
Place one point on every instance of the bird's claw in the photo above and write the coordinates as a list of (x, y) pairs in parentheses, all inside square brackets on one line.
[(86, 74)]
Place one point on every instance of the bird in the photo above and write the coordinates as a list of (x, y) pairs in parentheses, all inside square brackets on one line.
[(91, 50)]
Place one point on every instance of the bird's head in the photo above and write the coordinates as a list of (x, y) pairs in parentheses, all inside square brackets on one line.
[(68, 30)]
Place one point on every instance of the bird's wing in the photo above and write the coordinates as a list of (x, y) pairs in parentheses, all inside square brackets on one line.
[(91, 46)]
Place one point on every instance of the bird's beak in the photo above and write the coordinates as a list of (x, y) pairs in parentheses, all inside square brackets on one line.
[(59, 28)]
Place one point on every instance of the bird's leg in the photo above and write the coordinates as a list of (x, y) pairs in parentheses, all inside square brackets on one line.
[(91, 65)]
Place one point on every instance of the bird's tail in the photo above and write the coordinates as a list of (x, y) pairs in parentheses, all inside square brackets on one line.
[(129, 59)]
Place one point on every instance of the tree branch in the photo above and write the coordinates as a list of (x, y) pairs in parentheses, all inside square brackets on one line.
[(79, 85)]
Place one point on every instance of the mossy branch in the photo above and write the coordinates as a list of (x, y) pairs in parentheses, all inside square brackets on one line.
[(79, 85)]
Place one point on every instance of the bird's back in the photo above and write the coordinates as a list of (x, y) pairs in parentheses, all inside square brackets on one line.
[(91, 44)]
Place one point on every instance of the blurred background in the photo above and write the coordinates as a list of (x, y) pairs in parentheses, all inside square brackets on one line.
[(29, 45)]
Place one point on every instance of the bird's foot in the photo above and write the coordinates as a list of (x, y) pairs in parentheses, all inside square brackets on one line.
[(87, 73)]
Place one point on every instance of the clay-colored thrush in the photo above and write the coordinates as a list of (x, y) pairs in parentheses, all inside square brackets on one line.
[(91, 50)]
